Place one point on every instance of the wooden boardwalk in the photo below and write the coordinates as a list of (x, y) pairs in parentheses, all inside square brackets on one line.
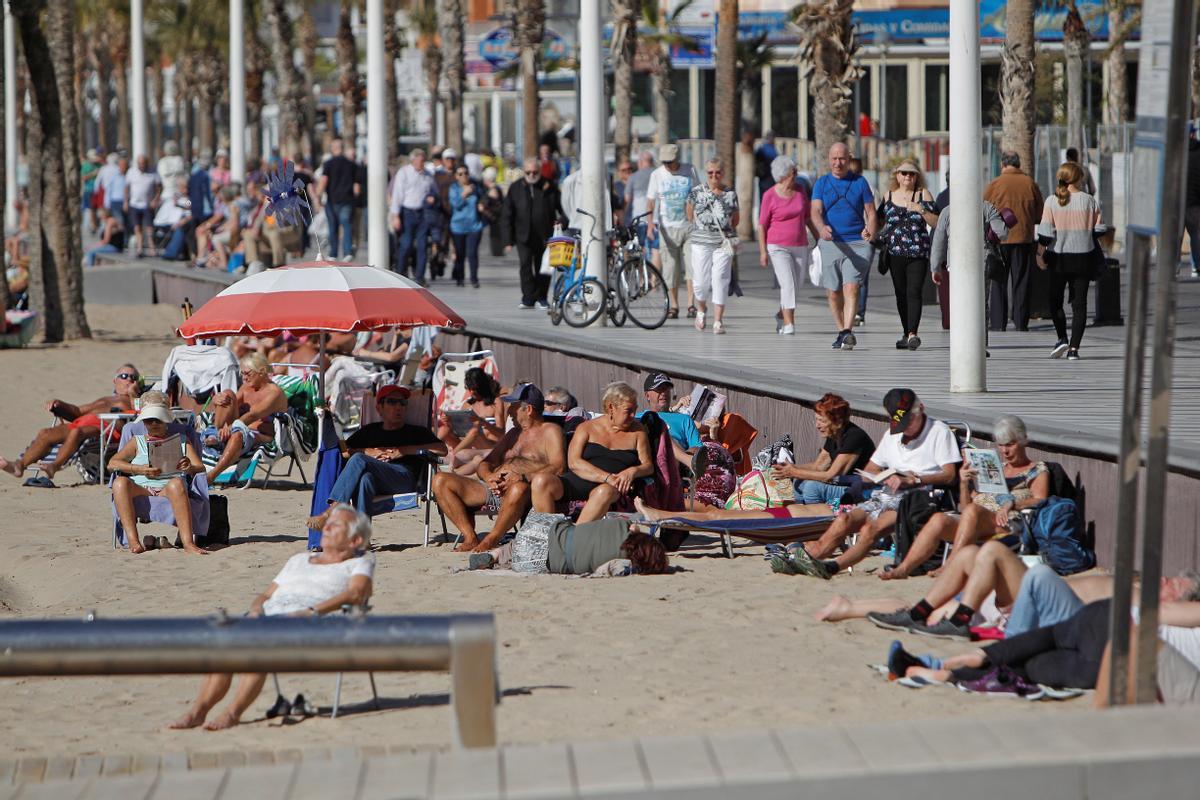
[(1074, 406), (1145, 753)]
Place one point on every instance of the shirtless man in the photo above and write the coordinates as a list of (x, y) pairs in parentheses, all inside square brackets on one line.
[(300, 359), (510, 474), (243, 419), (82, 424)]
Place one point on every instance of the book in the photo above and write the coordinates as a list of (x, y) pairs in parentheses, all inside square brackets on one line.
[(705, 404), (989, 470), (879, 477), (165, 454)]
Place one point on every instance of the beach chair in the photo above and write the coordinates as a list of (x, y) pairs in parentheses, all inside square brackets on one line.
[(337, 690), (759, 531), (86, 459), (158, 509), (448, 375)]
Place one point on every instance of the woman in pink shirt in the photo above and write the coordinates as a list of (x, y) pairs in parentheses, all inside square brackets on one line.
[(783, 238)]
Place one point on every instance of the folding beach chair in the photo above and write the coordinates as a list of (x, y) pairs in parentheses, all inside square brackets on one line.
[(337, 691), (295, 438), (158, 509), (449, 373), (86, 459)]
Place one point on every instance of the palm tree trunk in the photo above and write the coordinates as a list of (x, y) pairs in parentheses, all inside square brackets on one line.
[(827, 49), (306, 31), (160, 116), (347, 54), (102, 101), (393, 45), (431, 60), (748, 88), (1016, 82), (456, 72), (289, 95), (529, 26), (662, 92), (1075, 43), (119, 56), (1116, 101), (625, 19), (256, 65), (726, 85)]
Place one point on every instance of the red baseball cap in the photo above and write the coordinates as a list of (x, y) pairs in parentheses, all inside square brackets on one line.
[(392, 389)]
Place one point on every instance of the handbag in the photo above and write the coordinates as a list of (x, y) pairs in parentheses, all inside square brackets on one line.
[(993, 267), (884, 262), (814, 266), (758, 490)]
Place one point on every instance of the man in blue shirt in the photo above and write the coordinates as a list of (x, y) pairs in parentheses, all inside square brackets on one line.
[(684, 435), (843, 211)]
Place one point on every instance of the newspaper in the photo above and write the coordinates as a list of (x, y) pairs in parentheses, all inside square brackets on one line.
[(166, 454), (989, 470), (705, 404)]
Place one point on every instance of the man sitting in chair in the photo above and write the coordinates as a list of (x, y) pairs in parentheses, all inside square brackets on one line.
[(243, 420), (384, 456), (507, 485), (82, 421)]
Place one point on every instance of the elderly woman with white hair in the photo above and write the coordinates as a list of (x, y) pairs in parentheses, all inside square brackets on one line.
[(984, 516), (783, 241), (713, 210), (309, 585)]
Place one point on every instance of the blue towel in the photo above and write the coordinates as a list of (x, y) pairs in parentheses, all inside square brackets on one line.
[(329, 466)]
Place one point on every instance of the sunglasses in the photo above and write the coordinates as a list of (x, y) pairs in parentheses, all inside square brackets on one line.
[(531, 172), (906, 172), (391, 401), (716, 172), (127, 376)]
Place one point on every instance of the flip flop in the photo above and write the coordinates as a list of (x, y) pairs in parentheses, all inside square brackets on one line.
[(40, 482), (150, 543)]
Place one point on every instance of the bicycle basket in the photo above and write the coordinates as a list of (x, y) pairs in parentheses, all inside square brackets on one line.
[(562, 251)]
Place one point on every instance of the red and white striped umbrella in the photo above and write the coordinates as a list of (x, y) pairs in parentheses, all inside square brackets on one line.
[(319, 296)]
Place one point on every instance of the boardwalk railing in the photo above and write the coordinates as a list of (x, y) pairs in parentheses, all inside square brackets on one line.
[(462, 644)]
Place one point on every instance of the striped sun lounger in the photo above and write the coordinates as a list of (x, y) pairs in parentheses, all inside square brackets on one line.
[(760, 531)]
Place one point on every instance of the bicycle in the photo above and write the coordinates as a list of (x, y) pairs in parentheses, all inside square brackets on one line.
[(639, 286), (577, 298)]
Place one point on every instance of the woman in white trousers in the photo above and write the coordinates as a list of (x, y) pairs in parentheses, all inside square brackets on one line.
[(783, 221), (713, 211)]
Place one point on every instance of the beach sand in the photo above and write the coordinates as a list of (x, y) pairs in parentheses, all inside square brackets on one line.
[(722, 645)]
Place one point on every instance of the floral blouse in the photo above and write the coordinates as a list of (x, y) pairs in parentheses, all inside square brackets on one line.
[(713, 214), (907, 231), (1019, 486)]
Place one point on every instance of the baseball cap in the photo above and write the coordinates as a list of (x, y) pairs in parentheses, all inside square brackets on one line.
[(160, 413), (392, 389), (899, 403), (668, 153), (449, 153), (527, 393), (656, 379)]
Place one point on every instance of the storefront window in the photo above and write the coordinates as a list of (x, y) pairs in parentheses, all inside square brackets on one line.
[(894, 103), (937, 97), (785, 109)]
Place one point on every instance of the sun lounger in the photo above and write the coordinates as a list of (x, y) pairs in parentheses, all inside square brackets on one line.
[(759, 531)]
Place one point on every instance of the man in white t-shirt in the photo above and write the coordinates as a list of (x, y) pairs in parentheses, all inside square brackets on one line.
[(920, 451), (666, 200), (142, 188)]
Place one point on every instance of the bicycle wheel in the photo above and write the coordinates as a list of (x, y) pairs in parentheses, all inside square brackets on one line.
[(616, 311), (583, 303), (643, 293), (555, 298)]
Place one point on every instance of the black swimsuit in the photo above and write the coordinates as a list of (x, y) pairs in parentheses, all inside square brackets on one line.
[(601, 457)]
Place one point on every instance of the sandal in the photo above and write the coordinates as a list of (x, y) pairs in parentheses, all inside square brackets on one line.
[(691, 312), (674, 314), (150, 543)]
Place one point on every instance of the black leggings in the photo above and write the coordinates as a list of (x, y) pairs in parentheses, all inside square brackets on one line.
[(908, 278), (1079, 312), (1067, 654)]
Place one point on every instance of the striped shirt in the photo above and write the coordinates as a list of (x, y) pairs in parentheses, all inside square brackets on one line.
[(1072, 223)]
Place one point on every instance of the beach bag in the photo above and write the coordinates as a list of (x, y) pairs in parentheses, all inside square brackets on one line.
[(1057, 534), (531, 547), (758, 490), (814, 266)]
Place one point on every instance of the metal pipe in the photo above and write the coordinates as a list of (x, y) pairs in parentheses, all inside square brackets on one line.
[(237, 91), (137, 79), (377, 160), (243, 644)]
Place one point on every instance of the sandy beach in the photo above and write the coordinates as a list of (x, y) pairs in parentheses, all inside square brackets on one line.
[(721, 645)]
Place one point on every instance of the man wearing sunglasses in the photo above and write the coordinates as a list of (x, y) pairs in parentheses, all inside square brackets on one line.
[(82, 424), (383, 456)]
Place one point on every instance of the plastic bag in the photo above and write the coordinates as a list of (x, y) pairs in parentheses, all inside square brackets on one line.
[(814, 266)]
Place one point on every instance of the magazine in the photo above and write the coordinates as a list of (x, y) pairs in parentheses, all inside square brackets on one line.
[(705, 404), (989, 470), (165, 454), (461, 422)]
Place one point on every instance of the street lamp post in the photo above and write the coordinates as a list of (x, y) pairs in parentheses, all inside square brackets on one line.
[(137, 77), (377, 163), (10, 120), (237, 91), (592, 130)]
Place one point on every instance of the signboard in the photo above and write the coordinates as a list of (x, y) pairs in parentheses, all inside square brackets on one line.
[(913, 24), (497, 47), (702, 55), (1047, 22), (1149, 138)]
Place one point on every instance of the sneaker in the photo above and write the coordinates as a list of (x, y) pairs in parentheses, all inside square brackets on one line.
[(481, 561), (859, 320), (699, 323), (914, 342), (1195, 272), (525, 306), (346, 259), (849, 340), (902, 343), (946, 629), (1072, 355), (1060, 349), (783, 565), (772, 550), (474, 284), (718, 327), (837, 343), (893, 621), (807, 565), (787, 330), (1003, 682), (543, 305)]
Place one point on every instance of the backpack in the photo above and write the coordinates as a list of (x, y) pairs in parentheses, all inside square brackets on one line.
[(1057, 533)]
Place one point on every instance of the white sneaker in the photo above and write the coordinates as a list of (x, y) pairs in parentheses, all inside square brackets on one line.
[(718, 327), (788, 330), (699, 323)]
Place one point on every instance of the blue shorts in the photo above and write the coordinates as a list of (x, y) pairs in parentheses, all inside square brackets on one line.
[(141, 216)]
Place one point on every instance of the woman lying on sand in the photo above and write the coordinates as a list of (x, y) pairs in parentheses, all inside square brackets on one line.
[(308, 585)]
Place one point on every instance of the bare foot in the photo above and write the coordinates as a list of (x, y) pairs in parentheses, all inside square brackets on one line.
[(13, 468), (226, 720), (49, 470), (467, 545), (893, 575), (192, 719), (211, 477), (649, 513), (136, 546), (318, 522), (194, 550), (487, 544), (837, 609)]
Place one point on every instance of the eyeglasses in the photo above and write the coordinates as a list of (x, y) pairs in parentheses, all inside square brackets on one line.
[(715, 172), (462, 172), (555, 403), (531, 172), (127, 376), (392, 401)]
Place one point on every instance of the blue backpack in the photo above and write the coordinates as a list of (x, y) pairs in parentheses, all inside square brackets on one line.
[(1057, 533)]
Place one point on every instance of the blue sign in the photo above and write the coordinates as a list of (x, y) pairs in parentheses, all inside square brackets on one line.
[(1047, 22), (774, 24), (910, 24), (497, 47), (702, 55)]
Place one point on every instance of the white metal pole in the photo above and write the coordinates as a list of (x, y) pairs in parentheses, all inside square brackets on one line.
[(137, 76), (237, 90), (497, 125), (377, 163), (591, 131), (10, 119), (968, 371)]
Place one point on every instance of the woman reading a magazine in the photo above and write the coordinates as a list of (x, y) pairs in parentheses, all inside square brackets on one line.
[(987, 505), (142, 461)]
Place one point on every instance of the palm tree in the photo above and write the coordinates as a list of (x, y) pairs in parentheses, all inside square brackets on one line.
[(289, 81), (827, 48), (726, 113), (1075, 44), (752, 56), (393, 45), (1116, 104), (306, 34), (348, 80), (56, 274), (1017, 71), (529, 26), (256, 66), (425, 21), (456, 71), (197, 33), (625, 14), (666, 35)]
